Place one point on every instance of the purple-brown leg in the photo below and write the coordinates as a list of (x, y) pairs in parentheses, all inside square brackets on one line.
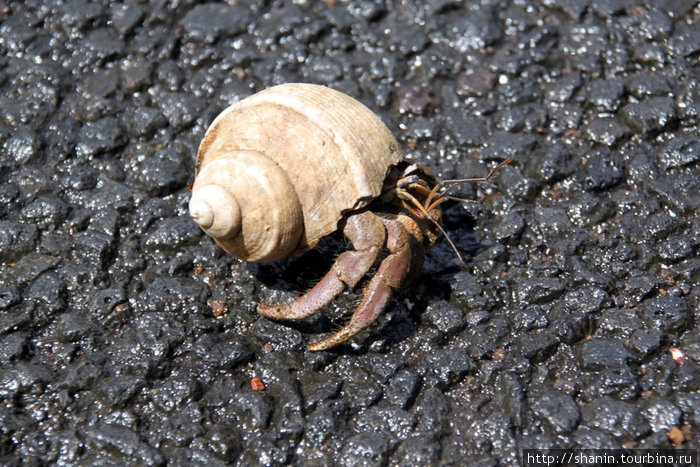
[(392, 271), (366, 233)]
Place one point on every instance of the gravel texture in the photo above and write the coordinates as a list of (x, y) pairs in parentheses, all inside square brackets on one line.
[(579, 281)]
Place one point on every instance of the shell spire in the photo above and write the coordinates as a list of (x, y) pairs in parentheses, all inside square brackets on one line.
[(216, 211)]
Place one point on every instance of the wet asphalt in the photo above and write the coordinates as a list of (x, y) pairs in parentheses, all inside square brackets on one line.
[(573, 323)]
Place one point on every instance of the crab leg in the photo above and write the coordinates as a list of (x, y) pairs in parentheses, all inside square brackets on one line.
[(366, 233), (388, 278)]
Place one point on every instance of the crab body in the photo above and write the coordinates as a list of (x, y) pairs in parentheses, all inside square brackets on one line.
[(393, 237), (285, 167)]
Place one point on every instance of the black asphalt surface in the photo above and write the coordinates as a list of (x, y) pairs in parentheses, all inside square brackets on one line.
[(574, 322)]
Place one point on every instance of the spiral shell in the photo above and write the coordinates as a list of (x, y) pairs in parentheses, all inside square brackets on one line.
[(276, 171)]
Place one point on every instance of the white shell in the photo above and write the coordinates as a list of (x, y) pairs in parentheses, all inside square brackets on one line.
[(276, 171)]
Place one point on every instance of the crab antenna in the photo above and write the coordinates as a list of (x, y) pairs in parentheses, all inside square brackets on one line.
[(449, 240), (435, 198), (433, 193), (406, 196), (431, 202), (483, 200), (409, 197), (455, 183)]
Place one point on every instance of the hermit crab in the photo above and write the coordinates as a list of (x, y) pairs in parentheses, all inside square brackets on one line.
[(283, 168)]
